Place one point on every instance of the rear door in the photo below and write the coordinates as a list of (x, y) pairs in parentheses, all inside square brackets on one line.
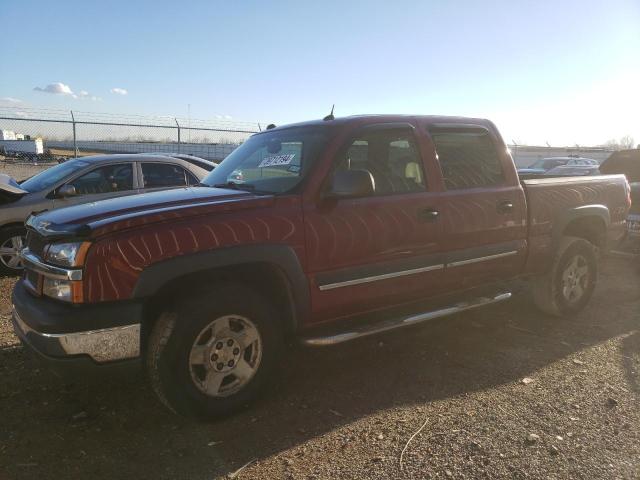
[(374, 252), (164, 175), (483, 206)]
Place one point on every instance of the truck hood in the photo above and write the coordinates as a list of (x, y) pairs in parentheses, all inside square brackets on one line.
[(106, 216)]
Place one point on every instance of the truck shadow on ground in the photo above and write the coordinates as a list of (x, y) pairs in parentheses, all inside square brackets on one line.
[(49, 429)]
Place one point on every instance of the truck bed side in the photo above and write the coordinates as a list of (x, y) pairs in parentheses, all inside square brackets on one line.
[(593, 208)]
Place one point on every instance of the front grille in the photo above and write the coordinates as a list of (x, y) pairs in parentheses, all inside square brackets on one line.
[(36, 243)]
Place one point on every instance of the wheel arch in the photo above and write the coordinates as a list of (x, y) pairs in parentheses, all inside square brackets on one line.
[(273, 270), (589, 222), (12, 225)]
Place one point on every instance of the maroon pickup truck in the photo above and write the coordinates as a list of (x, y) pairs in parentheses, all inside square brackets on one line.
[(323, 232)]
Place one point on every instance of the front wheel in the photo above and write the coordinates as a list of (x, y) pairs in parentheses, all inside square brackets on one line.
[(12, 241), (214, 352), (567, 288)]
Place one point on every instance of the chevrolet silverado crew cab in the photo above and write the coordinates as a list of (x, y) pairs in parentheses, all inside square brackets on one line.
[(322, 232)]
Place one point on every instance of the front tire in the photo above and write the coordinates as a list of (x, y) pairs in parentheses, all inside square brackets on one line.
[(567, 288), (214, 352), (12, 240)]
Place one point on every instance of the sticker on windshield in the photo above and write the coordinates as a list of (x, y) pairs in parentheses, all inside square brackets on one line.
[(277, 160)]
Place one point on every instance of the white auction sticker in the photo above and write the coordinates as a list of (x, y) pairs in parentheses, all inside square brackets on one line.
[(277, 160)]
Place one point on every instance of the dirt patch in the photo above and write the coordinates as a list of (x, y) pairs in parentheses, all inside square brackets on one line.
[(22, 171), (350, 411)]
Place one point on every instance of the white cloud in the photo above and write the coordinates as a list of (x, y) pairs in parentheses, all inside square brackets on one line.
[(83, 94), (10, 100), (119, 91), (57, 88)]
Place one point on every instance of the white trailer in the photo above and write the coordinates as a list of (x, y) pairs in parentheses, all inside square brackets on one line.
[(7, 135), (28, 148)]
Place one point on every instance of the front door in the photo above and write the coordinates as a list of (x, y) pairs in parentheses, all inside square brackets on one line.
[(103, 182), (369, 253)]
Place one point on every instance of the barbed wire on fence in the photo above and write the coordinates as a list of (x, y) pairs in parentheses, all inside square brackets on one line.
[(74, 133)]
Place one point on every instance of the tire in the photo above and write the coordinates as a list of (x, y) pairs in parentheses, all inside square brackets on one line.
[(194, 331), (9, 247), (568, 286)]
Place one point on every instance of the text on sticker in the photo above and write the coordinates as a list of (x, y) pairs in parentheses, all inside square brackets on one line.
[(276, 160)]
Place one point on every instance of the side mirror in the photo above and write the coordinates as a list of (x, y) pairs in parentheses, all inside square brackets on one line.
[(67, 191), (351, 184)]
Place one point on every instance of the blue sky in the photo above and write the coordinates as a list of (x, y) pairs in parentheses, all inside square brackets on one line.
[(565, 72)]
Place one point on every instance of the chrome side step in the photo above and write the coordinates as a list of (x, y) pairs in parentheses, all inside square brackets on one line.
[(383, 326)]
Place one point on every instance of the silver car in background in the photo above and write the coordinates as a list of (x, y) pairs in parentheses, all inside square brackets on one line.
[(82, 180)]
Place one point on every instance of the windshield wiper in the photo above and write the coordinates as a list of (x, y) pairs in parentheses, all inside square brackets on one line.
[(235, 186)]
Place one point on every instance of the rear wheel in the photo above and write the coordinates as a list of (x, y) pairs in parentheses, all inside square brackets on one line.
[(12, 241), (567, 288), (214, 352)]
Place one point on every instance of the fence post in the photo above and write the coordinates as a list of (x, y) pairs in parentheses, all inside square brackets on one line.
[(178, 125), (75, 144)]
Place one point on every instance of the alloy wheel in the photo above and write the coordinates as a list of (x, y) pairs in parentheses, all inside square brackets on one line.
[(225, 356), (575, 279), (10, 252)]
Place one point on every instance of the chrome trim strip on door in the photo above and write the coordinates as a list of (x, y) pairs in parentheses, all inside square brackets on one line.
[(375, 278), (481, 259)]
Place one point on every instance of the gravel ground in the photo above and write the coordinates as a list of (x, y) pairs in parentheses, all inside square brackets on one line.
[(446, 400)]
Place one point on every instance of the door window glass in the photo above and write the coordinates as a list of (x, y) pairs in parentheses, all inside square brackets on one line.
[(110, 178), (468, 159), (158, 175), (392, 158)]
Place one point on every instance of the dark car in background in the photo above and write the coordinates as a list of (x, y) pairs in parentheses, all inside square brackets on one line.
[(543, 165), (573, 171), (627, 162)]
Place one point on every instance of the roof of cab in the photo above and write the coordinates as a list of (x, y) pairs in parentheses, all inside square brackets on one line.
[(386, 118)]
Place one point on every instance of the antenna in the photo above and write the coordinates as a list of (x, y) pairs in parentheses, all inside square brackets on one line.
[(330, 116)]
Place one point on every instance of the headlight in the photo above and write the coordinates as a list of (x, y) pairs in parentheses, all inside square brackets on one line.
[(64, 290), (66, 254), (58, 289)]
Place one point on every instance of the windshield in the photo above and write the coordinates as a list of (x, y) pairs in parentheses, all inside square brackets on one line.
[(52, 175), (270, 162)]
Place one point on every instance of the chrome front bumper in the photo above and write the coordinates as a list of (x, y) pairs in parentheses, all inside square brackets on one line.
[(105, 345)]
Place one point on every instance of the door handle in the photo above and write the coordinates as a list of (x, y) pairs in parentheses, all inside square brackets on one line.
[(505, 206), (428, 214)]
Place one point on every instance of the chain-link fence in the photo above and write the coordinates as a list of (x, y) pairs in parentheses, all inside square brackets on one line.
[(41, 134)]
